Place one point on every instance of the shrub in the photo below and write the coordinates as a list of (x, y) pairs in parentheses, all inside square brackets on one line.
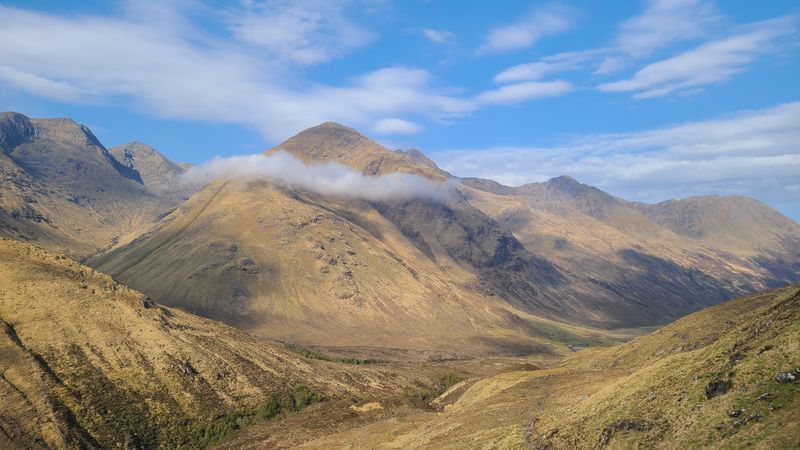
[(424, 396), (270, 409), (303, 396)]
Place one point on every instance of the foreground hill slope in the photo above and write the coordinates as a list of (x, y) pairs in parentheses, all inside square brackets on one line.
[(86, 362), (64, 190), (709, 380)]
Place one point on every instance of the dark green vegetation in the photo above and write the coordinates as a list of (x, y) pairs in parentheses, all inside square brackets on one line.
[(279, 404), (424, 396), (313, 354)]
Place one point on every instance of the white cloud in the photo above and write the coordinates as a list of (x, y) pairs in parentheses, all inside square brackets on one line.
[(545, 21), (330, 179), (537, 70), (36, 84), (171, 68), (752, 153), (708, 63), (665, 22), (301, 31), (521, 92), (396, 126), (438, 36)]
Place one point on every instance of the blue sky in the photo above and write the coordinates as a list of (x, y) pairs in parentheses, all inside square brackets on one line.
[(647, 99)]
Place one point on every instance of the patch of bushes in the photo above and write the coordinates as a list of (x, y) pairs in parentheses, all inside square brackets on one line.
[(299, 398), (270, 409), (215, 432), (313, 354), (303, 396), (422, 397)]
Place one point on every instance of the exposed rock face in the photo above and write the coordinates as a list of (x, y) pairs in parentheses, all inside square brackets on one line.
[(717, 388), (786, 377)]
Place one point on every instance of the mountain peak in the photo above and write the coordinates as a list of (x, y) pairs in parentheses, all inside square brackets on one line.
[(333, 142), (158, 173), (330, 141), (569, 185), (564, 180), (66, 130), (334, 126), (419, 157)]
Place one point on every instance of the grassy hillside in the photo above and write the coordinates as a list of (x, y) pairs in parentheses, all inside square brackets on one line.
[(705, 381), (86, 362)]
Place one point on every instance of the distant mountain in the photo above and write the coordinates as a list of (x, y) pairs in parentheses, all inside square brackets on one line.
[(738, 225), (642, 254), (332, 142), (64, 190), (159, 175), (89, 363)]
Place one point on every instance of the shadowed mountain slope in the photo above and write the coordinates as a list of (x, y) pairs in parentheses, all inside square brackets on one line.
[(86, 362), (64, 190)]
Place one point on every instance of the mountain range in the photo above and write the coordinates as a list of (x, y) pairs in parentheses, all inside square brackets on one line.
[(487, 268)]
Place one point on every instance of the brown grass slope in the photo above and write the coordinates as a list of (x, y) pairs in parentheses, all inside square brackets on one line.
[(705, 381), (86, 362), (62, 189)]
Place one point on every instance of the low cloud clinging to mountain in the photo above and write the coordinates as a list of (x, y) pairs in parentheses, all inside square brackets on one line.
[(327, 179)]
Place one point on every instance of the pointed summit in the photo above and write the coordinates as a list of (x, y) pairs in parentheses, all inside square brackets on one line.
[(333, 142), (568, 185), (334, 126)]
